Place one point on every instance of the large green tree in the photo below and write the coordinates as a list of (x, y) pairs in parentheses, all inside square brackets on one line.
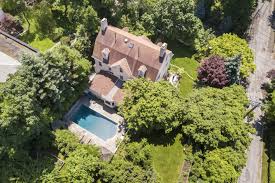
[(220, 165), (38, 93), (215, 118), (151, 105), (228, 46), (174, 19)]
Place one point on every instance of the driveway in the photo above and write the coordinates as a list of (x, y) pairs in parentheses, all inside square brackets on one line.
[(261, 34)]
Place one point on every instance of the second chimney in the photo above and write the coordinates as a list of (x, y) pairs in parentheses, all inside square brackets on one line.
[(163, 49), (103, 24)]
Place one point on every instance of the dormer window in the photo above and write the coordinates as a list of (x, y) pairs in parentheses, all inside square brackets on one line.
[(142, 70), (120, 69), (105, 54)]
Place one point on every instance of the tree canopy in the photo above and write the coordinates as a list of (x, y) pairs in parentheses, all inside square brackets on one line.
[(151, 105), (214, 118), (174, 19), (35, 96), (220, 165), (213, 73), (230, 45)]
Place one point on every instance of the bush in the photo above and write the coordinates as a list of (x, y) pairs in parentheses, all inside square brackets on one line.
[(212, 72), (230, 45)]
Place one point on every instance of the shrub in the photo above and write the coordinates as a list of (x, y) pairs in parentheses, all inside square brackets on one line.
[(212, 72)]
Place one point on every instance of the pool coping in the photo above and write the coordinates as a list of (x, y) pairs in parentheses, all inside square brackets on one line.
[(88, 137)]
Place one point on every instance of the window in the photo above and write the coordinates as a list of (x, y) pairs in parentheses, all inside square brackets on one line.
[(110, 69), (120, 69), (121, 77), (100, 64)]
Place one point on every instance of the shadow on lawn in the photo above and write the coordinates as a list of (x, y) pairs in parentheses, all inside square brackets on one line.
[(157, 137)]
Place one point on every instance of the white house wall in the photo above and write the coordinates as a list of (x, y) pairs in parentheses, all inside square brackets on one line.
[(164, 67)]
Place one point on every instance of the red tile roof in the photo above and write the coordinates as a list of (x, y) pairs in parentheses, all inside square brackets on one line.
[(136, 50), (103, 83)]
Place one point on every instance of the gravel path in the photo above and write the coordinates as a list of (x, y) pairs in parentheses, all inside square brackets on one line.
[(261, 36)]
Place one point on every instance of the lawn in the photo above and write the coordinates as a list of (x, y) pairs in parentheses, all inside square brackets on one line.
[(272, 156), (268, 161), (168, 160), (265, 164), (187, 66)]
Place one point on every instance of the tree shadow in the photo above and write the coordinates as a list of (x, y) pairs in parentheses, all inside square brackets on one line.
[(271, 20), (156, 137)]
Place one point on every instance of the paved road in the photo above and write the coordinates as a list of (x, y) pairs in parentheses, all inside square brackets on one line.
[(261, 36)]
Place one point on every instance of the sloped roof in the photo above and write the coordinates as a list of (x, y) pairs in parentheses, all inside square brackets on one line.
[(136, 50), (8, 65), (124, 65)]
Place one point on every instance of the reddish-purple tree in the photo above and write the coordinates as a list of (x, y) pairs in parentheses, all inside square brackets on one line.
[(212, 72)]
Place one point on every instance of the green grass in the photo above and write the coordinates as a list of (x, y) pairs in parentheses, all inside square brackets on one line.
[(180, 59), (190, 68), (168, 160), (272, 157), (268, 158), (43, 44), (265, 165)]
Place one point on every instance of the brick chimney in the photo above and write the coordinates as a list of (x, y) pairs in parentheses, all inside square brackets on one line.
[(103, 24), (163, 49)]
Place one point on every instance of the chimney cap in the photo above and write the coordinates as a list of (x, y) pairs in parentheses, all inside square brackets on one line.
[(103, 24)]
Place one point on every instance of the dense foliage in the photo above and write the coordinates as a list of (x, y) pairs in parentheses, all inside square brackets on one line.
[(214, 118), (35, 96), (82, 164), (131, 164), (229, 45), (220, 165), (174, 19), (229, 15), (212, 72), (151, 105)]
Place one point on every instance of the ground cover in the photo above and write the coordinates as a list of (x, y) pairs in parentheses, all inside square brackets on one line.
[(168, 160), (272, 156), (186, 66), (268, 157)]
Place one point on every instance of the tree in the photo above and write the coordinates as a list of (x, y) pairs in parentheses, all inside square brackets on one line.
[(151, 105), (212, 72), (66, 142), (131, 164), (82, 165), (233, 69), (238, 11), (75, 13), (37, 94), (230, 45), (174, 19), (214, 118), (219, 165)]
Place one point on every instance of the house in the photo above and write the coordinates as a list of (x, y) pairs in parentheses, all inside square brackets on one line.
[(120, 56), (10, 51)]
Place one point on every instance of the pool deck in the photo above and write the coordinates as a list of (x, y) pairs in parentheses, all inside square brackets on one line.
[(108, 147)]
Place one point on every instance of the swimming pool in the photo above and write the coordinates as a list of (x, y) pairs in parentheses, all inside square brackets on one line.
[(94, 122)]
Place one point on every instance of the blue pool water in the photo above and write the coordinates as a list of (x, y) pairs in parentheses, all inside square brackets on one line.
[(94, 122)]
